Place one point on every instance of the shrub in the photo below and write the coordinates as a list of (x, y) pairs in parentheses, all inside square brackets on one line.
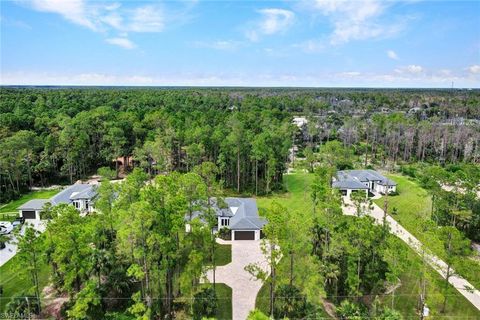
[(290, 303), (22, 306), (257, 315), (106, 173), (205, 303), (225, 234)]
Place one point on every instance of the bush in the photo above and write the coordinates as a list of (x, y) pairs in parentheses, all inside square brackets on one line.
[(290, 303), (225, 234), (205, 303), (409, 170), (257, 315), (22, 306), (349, 310), (106, 173)]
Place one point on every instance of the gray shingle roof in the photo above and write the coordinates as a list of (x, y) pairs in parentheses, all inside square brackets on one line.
[(35, 204), (349, 184), (243, 213), (73, 192), (348, 178), (246, 217)]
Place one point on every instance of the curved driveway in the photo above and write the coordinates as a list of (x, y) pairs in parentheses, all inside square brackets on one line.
[(459, 283)]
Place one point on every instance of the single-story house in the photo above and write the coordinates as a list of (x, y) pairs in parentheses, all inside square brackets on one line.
[(81, 196), (240, 215), (348, 181)]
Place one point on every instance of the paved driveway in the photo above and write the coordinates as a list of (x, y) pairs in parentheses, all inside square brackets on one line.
[(9, 251), (244, 287), (11, 248), (459, 283)]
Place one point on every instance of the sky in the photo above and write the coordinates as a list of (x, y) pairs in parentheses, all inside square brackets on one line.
[(315, 43)]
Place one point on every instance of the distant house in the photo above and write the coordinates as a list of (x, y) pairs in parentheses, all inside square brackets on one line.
[(81, 196), (240, 215), (348, 181), (300, 122)]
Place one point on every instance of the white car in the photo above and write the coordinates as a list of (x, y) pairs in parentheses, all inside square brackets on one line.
[(5, 227)]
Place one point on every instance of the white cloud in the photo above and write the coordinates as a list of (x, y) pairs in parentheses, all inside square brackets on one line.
[(72, 10), (357, 20), (474, 69), (224, 45), (273, 21), (311, 46), (350, 74), (121, 42), (110, 17), (146, 19), (410, 69), (392, 55), (312, 79)]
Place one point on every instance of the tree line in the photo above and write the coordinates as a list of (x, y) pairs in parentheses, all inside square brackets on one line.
[(59, 136)]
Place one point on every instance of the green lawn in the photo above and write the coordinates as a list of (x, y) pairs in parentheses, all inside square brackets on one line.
[(406, 296), (223, 254), (13, 205), (298, 196), (414, 206), (14, 281), (298, 200), (224, 298), (224, 295)]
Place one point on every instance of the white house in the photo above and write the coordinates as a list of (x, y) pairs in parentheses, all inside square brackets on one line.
[(348, 181), (81, 196), (240, 215)]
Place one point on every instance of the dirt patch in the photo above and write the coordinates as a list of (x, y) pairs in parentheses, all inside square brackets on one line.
[(329, 308), (53, 303)]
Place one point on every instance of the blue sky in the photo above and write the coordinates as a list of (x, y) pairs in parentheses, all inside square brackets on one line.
[(362, 43)]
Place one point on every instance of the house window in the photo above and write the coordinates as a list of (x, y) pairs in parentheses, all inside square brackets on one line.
[(86, 205), (225, 222), (76, 204)]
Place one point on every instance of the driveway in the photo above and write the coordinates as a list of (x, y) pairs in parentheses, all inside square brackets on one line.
[(9, 251), (11, 248), (459, 283), (244, 287)]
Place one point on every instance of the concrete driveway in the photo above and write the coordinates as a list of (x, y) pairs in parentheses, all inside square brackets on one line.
[(244, 287), (459, 283), (9, 251)]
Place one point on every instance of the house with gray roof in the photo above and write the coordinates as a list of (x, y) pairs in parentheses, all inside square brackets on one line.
[(240, 215), (348, 181), (81, 196)]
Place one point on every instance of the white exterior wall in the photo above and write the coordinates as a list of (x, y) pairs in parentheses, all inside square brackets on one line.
[(37, 216)]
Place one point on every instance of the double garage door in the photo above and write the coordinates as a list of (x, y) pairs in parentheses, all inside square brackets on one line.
[(28, 214), (244, 235)]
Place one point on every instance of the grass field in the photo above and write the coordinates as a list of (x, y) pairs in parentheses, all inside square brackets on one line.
[(223, 254), (13, 205), (224, 296), (15, 281), (298, 200), (414, 206)]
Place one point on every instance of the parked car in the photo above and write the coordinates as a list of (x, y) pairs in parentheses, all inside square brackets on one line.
[(18, 222), (5, 227)]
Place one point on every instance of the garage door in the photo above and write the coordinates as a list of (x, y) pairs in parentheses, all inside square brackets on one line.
[(244, 235), (28, 214)]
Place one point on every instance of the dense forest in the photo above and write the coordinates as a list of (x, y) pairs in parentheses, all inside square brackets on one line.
[(134, 259), (55, 135)]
